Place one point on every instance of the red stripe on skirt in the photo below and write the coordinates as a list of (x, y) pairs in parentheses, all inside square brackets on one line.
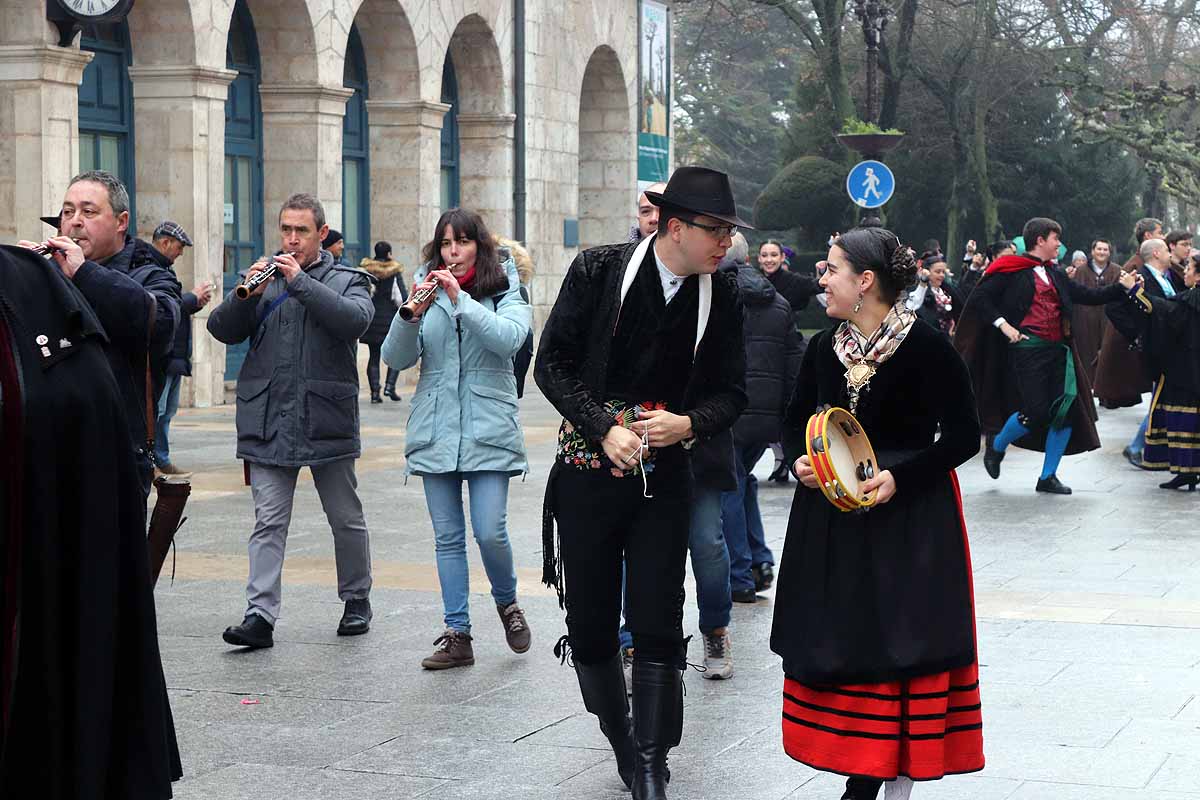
[(924, 728)]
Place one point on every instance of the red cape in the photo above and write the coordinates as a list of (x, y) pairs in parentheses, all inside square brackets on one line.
[(1011, 264)]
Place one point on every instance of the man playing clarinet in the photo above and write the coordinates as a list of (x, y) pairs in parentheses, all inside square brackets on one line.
[(297, 406), (643, 356)]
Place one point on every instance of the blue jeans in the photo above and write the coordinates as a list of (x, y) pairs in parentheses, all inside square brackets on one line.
[(742, 520), (488, 493), (710, 560), (1139, 439), (168, 404)]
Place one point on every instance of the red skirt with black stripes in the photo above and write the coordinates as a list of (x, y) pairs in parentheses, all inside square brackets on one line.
[(923, 728)]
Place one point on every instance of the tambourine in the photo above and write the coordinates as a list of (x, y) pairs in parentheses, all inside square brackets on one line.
[(841, 457)]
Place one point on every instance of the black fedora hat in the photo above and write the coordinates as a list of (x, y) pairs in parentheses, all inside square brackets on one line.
[(701, 191)]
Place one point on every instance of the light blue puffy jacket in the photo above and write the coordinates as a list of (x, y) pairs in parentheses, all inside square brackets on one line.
[(464, 412)]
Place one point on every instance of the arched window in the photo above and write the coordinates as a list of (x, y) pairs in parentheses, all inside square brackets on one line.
[(106, 105), (243, 162), (356, 176), (450, 182)]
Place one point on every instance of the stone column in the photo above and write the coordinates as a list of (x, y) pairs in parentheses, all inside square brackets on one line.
[(486, 168), (302, 148), (406, 159), (39, 134), (179, 116)]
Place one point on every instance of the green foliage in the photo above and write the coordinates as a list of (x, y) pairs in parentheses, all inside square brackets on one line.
[(853, 125), (808, 194)]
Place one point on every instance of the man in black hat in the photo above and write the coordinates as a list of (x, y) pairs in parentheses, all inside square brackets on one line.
[(335, 243), (643, 356)]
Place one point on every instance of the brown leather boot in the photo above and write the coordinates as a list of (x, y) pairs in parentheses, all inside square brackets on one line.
[(516, 629), (453, 650)]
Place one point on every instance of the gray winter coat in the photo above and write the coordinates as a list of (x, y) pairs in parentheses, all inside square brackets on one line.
[(297, 394)]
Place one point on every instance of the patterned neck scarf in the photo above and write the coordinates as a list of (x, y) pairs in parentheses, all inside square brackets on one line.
[(861, 354)]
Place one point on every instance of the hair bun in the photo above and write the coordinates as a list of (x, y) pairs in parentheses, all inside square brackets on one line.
[(902, 265)]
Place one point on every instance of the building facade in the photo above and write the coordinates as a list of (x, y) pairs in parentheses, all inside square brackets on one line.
[(389, 111)]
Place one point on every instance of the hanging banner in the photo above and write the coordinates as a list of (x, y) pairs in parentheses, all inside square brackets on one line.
[(654, 93)]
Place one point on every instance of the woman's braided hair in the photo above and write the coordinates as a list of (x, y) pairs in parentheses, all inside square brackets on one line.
[(880, 251)]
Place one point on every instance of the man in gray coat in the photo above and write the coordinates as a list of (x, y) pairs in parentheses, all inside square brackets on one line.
[(297, 406)]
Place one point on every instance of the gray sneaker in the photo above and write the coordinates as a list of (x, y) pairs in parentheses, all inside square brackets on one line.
[(718, 657), (453, 650)]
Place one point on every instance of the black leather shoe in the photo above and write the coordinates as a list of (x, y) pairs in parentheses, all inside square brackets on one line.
[(992, 459), (1052, 485), (357, 618), (1134, 457), (375, 398), (1185, 482), (764, 576), (862, 789), (744, 596), (780, 474), (391, 393), (254, 632)]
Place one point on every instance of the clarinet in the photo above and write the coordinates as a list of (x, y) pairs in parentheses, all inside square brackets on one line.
[(406, 311), (246, 289)]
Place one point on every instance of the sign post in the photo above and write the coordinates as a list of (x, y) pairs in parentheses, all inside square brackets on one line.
[(870, 184)]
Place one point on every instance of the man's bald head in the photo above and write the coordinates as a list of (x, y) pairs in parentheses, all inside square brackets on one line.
[(647, 212)]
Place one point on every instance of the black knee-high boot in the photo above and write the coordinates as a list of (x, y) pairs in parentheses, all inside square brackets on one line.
[(657, 725), (862, 788), (603, 689)]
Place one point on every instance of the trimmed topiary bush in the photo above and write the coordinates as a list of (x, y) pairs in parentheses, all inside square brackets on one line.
[(808, 193)]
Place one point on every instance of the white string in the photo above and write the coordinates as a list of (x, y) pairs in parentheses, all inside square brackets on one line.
[(641, 462)]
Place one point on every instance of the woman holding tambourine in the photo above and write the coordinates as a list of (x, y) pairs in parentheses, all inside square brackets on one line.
[(874, 611)]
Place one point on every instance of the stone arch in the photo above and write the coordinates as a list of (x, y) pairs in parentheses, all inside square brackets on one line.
[(473, 48), (163, 33), (390, 48), (485, 124), (287, 42), (606, 150)]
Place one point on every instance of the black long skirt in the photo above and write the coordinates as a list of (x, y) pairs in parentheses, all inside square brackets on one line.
[(880, 595)]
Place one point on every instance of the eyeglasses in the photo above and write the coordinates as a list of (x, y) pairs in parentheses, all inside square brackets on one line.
[(720, 231)]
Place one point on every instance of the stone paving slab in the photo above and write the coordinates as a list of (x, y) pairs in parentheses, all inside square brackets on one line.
[(1088, 623)]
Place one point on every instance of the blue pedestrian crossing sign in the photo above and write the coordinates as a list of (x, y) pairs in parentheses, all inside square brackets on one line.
[(870, 184)]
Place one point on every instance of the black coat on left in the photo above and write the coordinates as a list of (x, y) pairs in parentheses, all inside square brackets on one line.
[(86, 715)]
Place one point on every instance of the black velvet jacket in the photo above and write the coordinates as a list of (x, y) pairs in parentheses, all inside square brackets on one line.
[(572, 361)]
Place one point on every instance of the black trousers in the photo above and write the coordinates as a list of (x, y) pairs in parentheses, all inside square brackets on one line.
[(605, 523), (1039, 373), (376, 350)]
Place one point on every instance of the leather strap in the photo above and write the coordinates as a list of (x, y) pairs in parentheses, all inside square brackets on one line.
[(151, 407)]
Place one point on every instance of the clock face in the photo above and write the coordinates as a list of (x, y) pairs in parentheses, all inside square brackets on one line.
[(90, 8)]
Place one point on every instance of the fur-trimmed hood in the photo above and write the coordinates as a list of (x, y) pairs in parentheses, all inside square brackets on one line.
[(381, 270)]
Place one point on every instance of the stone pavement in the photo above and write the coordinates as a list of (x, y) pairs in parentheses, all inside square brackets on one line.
[(1089, 630)]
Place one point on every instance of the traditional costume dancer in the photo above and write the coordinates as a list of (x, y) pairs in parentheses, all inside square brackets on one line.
[(1015, 334), (1172, 335), (643, 355), (874, 611)]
